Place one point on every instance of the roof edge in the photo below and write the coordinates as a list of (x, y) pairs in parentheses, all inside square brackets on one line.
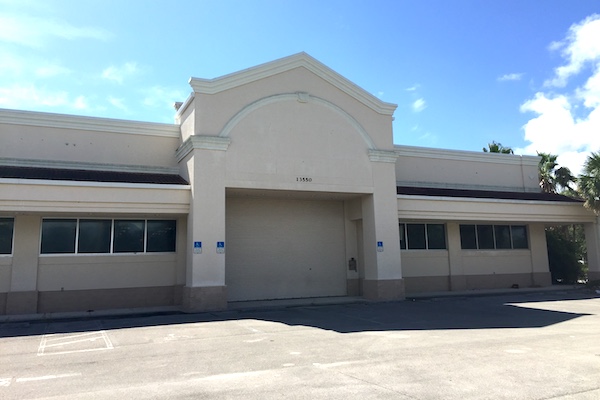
[(302, 59), (465, 155), (66, 121)]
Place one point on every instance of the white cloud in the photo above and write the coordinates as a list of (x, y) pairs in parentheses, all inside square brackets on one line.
[(161, 97), (118, 103), (29, 96), (81, 103), (118, 74), (511, 77), (419, 105), (51, 70), (413, 87), (580, 48), (35, 32), (590, 93), (11, 64), (568, 121)]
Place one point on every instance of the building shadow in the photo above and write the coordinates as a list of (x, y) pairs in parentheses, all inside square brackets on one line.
[(492, 312)]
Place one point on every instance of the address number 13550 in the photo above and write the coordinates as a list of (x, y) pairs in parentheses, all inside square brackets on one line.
[(303, 179)]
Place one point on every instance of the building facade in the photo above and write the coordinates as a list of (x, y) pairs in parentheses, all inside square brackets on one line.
[(279, 181)]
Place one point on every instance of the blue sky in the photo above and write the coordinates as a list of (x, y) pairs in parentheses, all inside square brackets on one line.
[(463, 72)]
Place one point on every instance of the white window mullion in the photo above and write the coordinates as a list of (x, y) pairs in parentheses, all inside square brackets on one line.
[(145, 234), (77, 236), (112, 235)]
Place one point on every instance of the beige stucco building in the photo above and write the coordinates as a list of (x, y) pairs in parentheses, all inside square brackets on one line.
[(279, 181)]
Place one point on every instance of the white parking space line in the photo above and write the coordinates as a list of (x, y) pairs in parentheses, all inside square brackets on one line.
[(52, 344), (45, 377)]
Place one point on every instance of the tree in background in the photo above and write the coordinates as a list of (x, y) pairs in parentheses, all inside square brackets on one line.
[(589, 183), (553, 179), (497, 148), (567, 251)]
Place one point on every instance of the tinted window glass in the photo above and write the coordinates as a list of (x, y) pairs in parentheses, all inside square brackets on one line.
[(58, 236), (129, 236), (436, 236), (6, 235), (519, 237), (485, 236), (161, 236), (502, 236), (416, 236), (468, 239), (94, 236)]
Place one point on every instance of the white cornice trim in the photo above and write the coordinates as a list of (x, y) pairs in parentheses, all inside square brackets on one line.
[(184, 107), (16, 162), (471, 209), (202, 142), (216, 85), (486, 200), (383, 156), (43, 182), (64, 121), (462, 155)]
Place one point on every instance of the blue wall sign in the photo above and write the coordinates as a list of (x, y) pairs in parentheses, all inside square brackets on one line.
[(197, 247)]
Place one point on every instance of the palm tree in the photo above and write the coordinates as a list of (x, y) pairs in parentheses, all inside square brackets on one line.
[(589, 182), (552, 179), (497, 148)]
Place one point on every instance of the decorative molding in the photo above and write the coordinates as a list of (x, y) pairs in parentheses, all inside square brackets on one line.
[(17, 162), (64, 121), (463, 155), (384, 156), (202, 142), (471, 209), (184, 107), (216, 85), (302, 97), (114, 185)]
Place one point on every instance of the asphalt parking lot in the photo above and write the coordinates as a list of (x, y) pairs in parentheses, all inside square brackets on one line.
[(516, 346)]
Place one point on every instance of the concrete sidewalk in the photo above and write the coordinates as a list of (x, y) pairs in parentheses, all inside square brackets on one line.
[(278, 304)]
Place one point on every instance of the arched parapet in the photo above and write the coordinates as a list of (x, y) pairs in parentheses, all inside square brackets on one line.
[(301, 97)]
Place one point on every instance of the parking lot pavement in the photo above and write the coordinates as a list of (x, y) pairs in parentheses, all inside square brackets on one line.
[(517, 346)]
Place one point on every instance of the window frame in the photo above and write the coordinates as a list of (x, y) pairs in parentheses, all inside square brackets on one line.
[(12, 237), (404, 237), (494, 229), (64, 219), (111, 251)]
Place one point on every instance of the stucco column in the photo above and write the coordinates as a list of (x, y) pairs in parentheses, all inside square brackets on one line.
[(23, 295), (458, 280), (592, 239), (540, 267), (204, 288), (383, 273)]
